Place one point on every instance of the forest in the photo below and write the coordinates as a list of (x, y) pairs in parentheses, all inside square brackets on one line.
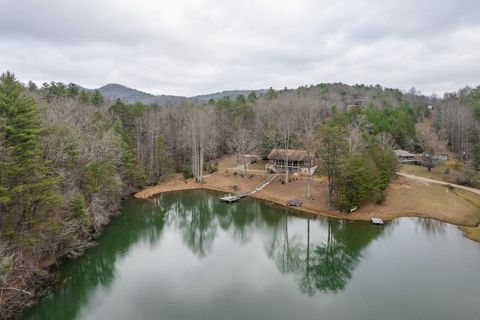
[(68, 156)]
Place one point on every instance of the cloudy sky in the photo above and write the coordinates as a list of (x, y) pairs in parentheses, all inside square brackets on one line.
[(189, 47)]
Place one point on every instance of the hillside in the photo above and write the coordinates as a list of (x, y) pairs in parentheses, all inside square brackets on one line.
[(128, 95), (223, 94)]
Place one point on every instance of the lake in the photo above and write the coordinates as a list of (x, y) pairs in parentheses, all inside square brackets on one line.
[(185, 255)]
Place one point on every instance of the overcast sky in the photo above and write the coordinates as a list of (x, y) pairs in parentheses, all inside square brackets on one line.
[(192, 47)]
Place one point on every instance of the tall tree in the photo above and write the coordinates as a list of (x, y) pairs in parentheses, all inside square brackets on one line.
[(199, 135), (97, 98), (24, 174), (242, 141), (310, 118), (332, 151)]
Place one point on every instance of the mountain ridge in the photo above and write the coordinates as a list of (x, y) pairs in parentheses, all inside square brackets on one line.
[(114, 91)]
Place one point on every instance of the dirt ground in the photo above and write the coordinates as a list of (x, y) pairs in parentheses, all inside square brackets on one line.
[(226, 182)]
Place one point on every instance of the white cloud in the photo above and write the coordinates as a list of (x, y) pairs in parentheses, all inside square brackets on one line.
[(193, 47)]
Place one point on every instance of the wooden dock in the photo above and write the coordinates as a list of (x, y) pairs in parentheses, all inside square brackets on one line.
[(229, 198)]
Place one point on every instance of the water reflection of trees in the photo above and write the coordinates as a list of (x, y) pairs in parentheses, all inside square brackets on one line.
[(140, 221), (199, 215), (326, 266), (431, 225)]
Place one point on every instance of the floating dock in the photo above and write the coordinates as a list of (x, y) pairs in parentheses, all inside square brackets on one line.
[(229, 198), (376, 220)]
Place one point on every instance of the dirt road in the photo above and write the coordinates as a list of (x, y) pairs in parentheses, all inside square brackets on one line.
[(477, 191)]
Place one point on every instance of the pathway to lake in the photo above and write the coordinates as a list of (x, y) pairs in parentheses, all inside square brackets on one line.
[(185, 255)]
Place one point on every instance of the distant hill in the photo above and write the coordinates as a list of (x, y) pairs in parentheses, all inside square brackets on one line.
[(115, 91), (230, 93)]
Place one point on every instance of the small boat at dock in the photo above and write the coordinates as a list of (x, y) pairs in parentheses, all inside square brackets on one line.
[(376, 220)]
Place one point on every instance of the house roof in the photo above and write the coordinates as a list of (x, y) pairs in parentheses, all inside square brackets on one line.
[(403, 153), (292, 154)]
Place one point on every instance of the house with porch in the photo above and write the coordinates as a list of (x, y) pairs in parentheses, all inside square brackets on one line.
[(407, 157), (295, 161)]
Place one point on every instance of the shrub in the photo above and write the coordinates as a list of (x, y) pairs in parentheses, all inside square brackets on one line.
[(187, 172), (379, 197), (212, 167), (79, 209)]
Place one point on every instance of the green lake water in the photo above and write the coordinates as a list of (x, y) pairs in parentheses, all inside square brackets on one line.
[(185, 255)]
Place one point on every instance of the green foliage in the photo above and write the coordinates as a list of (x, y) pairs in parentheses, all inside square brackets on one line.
[(270, 139), (99, 177), (212, 167), (165, 163), (187, 171), (271, 93), (78, 207), (97, 98), (363, 177), (84, 97), (32, 86), (354, 178), (399, 122), (125, 116), (476, 157), (26, 183), (473, 99), (240, 108), (53, 90), (72, 90), (332, 151), (252, 97), (354, 183)]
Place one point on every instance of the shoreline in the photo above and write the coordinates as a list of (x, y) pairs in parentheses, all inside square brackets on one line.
[(469, 222)]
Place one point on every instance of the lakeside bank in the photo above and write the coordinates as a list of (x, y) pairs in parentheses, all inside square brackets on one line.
[(405, 198)]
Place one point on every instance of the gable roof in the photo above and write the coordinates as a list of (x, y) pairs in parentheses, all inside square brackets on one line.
[(403, 153), (292, 154)]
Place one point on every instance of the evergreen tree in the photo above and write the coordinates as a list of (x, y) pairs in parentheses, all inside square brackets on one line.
[(271, 93), (333, 150), (97, 98), (32, 86), (26, 186), (84, 97), (252, 97), (72, 90)]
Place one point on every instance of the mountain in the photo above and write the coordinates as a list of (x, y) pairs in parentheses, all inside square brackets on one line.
[(115, 91), (230, 93)]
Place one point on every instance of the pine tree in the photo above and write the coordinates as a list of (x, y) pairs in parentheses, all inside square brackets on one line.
[(332, 151), (25, 183), (32, 86), (72, 90), (97, 98), (84, 97)]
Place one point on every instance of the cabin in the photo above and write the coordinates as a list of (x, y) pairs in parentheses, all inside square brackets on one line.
[(297, 161), (405, 156)]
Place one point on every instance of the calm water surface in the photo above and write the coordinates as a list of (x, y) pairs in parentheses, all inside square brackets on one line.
[(186, 256)]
